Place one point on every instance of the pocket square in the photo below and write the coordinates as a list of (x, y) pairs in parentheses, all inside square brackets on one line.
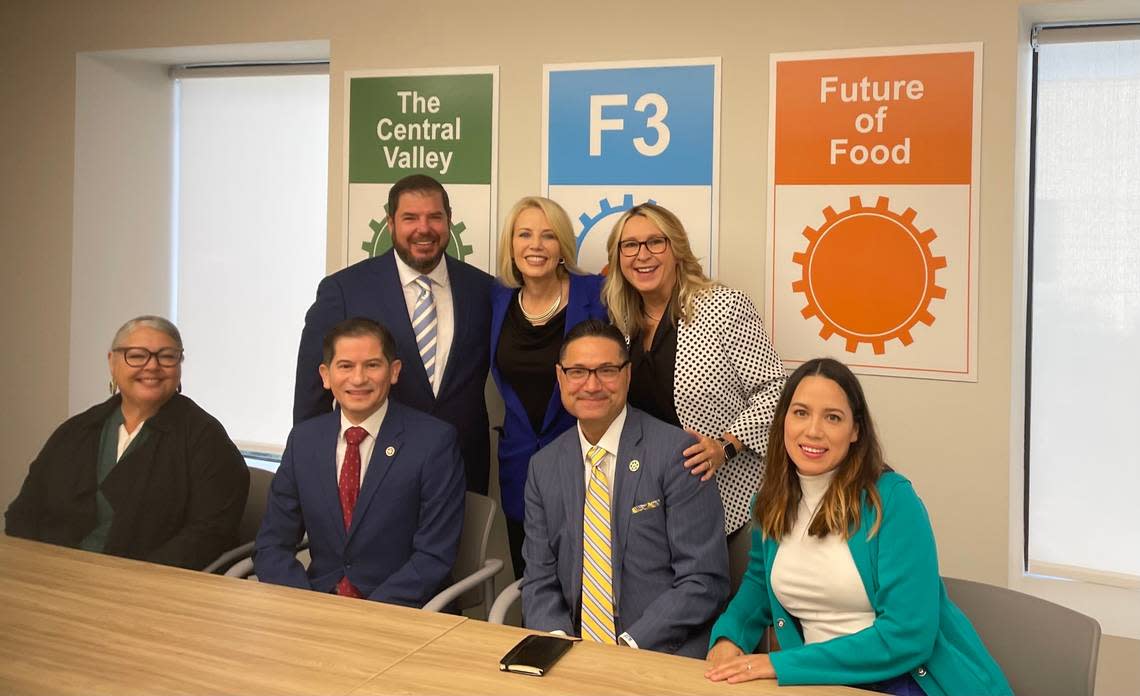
[(646, 506)]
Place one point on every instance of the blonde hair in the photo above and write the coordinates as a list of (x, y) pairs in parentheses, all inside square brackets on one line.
[(559, 222), (840, 511), (624, 302)]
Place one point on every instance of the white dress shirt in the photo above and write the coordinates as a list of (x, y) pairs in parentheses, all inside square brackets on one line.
[(372, 425), (444, 310), (609, 441)]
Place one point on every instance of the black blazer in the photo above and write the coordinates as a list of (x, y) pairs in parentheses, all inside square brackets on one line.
[(178, 495), (371, 288)]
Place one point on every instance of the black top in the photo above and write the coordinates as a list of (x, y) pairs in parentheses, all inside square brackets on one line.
[(651, 385), (526, 358)]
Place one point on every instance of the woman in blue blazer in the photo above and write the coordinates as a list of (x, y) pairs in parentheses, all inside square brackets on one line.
[(541, 294), (843, 563)]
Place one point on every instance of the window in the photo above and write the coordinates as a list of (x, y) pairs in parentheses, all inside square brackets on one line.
[(249, 241), (1083, 336)]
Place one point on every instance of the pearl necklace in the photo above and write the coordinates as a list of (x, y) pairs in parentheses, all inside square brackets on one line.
[(539, 319)]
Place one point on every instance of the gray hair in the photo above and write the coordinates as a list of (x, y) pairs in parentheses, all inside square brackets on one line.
[(149, 321)]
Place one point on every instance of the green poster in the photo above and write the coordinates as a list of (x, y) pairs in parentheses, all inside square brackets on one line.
[(440, 122)]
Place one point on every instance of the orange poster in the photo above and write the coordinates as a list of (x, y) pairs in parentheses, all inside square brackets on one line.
[(872, 234)]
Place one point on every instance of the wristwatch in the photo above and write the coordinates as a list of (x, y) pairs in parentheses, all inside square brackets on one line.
[(729, 449)]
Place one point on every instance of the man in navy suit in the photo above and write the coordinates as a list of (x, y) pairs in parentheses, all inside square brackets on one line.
[(653, 572), (438, 312), (378, 486)]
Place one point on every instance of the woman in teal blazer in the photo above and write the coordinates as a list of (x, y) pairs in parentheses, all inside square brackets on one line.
[(914, 640)]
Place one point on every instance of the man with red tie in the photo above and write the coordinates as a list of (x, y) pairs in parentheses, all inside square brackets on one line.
[(378, 487)]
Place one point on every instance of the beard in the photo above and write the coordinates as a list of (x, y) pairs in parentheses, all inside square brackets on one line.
[(423, 265)]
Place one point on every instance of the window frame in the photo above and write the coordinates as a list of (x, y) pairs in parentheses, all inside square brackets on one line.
[(1116, 608)]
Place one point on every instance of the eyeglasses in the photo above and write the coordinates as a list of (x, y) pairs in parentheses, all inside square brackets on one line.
[(139, 357), (605, 373), (632, 247)]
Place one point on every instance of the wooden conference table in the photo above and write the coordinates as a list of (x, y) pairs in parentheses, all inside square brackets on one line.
[(73, 622)]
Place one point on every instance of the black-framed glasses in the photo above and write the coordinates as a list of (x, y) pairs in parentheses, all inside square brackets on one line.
[(632, 247), (137, 356), (605, 373)]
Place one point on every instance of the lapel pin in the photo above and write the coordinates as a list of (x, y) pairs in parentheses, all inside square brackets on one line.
[(390, 451), (634, 465)]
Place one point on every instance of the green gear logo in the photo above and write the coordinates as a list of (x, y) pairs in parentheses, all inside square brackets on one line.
[(381, 240)]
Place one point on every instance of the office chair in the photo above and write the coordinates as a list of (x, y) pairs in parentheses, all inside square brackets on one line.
[(503, 602), (259, 480), (738, 550), (1044, 649), (244, 567), (476, 584)]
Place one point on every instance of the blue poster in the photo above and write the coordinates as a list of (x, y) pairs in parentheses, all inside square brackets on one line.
[(619, 134)]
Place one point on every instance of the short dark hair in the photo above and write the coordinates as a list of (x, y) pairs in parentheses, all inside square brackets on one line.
[(595, 328), (417, 183), (354, 327)]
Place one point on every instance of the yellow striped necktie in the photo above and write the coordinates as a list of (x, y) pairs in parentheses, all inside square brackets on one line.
[(597, 574)]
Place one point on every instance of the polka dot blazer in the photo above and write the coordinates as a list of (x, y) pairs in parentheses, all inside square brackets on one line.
[(728, 377)]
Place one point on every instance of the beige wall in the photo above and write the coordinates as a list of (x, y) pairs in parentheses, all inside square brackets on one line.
[(952, 439)]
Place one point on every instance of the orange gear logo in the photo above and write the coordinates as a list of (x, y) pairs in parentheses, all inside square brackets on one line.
[(868, 274)]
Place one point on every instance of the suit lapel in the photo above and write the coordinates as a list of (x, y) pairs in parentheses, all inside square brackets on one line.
[(391, 436), (501, 304), (573, 483), (324, 467), (459, 308), (865, 552), (686, 401), (625, 488)]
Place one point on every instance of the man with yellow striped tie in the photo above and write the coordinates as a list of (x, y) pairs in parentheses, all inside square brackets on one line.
[(622, 546)]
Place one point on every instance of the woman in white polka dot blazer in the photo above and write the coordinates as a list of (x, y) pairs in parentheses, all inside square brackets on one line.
[(700, 356)]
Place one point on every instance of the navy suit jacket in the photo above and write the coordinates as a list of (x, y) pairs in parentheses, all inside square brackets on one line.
[(518, 442), (371, 288), (406, 524), (670, 561)]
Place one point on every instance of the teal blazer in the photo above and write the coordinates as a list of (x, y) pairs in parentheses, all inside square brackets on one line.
[(917, 629)]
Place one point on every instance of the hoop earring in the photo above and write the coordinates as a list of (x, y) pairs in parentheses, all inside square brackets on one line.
[(111, 387)]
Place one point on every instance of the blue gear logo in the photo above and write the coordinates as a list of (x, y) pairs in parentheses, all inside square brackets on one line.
[(605, 210), (381, 240)]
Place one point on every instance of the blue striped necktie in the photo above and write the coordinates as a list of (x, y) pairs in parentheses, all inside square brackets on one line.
[(597, 567), (424, 325)]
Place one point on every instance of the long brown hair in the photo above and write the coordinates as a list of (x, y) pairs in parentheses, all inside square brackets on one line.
[(840, 510)]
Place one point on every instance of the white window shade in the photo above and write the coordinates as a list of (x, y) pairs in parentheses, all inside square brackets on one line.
[(1084, 435), (250, 240)]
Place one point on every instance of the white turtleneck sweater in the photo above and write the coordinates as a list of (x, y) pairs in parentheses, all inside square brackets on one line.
[(815, 579)]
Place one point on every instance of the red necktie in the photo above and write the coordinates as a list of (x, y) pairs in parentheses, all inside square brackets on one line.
[(349, 489)]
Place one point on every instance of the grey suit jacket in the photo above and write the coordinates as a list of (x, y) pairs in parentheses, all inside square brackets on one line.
[(670, 563)]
